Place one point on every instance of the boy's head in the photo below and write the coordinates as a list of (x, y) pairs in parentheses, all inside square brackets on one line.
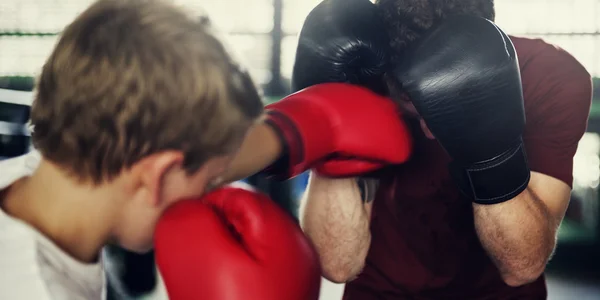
[(141, 97)]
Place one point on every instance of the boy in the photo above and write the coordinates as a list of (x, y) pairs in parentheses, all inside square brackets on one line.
[(138, 105)]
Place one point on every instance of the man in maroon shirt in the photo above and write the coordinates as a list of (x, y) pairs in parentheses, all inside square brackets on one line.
[(407, 232), (417, 237)]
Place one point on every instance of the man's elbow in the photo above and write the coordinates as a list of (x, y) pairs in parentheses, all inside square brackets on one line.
[(526, 270), (523, 276), (341, 274)]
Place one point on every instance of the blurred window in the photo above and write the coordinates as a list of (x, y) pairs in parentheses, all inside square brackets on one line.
[(28, 30), (573, 25)]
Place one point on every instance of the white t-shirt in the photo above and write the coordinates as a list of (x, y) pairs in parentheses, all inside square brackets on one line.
[(32, 267)]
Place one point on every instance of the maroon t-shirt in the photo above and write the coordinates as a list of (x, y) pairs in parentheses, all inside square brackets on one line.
[(424, 244)]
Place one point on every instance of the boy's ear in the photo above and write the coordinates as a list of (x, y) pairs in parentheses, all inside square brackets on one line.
[(150, 173)]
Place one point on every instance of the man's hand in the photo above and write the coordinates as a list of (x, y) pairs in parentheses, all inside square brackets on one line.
[(463, 78), (343, 41), (520, 235)]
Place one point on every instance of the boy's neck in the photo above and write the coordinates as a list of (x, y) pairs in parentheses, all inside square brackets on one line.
[(77, 217)]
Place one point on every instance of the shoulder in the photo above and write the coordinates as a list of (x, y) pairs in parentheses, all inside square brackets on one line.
[(540, 60), (21, 275), (554, 82), (33, 267), (18, 167)]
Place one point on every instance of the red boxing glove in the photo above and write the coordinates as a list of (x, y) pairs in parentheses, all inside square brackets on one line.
[(344, 167), (352, 129), (234, 244)]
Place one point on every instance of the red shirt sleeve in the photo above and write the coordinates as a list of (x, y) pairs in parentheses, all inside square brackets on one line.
[(558, 93)]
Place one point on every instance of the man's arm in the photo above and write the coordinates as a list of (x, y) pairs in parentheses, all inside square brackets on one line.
[(336, 218), (520, 234)]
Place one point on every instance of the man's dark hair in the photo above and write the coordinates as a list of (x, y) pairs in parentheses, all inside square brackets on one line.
[(407, 20)]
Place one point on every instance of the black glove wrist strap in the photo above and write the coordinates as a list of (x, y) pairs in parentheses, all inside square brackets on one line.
[(496, 180)]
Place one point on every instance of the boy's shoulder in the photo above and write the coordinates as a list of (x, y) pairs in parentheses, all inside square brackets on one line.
[(20, 277), (18, 167), (33, 267)]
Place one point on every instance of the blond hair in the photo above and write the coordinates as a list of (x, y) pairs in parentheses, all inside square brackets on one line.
[(129, 78)]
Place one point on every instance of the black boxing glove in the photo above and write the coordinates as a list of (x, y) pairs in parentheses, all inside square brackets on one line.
[(463, 78), (342, 41)]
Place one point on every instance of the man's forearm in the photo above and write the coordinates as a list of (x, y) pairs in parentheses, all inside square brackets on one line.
[(519, 235), (336, 219)]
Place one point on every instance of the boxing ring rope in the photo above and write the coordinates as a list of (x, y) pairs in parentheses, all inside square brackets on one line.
[(16, 97), (14, 117)]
